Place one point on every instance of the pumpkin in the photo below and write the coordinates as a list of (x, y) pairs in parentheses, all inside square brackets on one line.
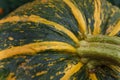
[(61, 40)]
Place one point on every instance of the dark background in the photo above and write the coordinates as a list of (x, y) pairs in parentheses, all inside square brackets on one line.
[(115, 2), (6, 6)]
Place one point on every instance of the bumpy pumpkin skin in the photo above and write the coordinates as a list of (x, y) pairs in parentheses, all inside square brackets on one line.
[(53, 22)]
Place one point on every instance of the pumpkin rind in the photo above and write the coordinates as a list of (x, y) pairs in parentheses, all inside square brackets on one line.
[(25, 26)]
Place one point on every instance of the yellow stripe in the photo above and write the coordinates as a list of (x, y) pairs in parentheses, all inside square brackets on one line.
[(33, 48), (116, 29), (38, 19), (78, 16), (97, 17), (92, 76), (117, 68), (11, 76), (70, 70), (41, 73)]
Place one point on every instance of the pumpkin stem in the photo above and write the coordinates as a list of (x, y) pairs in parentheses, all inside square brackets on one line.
[(100, 50)]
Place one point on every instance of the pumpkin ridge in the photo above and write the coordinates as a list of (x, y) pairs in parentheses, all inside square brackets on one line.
[(78, 16), (116, 69), (11, 77), (116, 29), (71, 71), (97, 15), (34, 48), (93, 76), (40, 73)]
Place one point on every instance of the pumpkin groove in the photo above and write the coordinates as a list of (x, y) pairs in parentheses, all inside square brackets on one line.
[(40, 41)]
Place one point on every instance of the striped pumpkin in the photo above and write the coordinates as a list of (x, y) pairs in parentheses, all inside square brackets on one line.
[(61, 40)]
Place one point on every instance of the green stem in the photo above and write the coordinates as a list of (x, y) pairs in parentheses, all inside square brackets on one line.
[(104, 39), (103, 49), (105, 46), (96, 53)]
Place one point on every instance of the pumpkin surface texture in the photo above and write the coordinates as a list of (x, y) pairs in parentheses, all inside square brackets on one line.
[(61, 40)]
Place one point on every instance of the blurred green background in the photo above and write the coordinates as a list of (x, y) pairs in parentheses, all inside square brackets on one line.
[(6, 6)]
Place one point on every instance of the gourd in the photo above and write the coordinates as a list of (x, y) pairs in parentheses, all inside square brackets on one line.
[(61, 40)]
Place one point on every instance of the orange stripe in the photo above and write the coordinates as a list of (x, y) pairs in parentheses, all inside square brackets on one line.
[(78, 16), (70, 70), (97, 16), (34, 48), (92, 76), (41, 73), (11, 76), (117, 68), (116, 29)]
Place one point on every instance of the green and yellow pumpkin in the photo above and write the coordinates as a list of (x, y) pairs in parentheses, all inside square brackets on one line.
[(61, 40)]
